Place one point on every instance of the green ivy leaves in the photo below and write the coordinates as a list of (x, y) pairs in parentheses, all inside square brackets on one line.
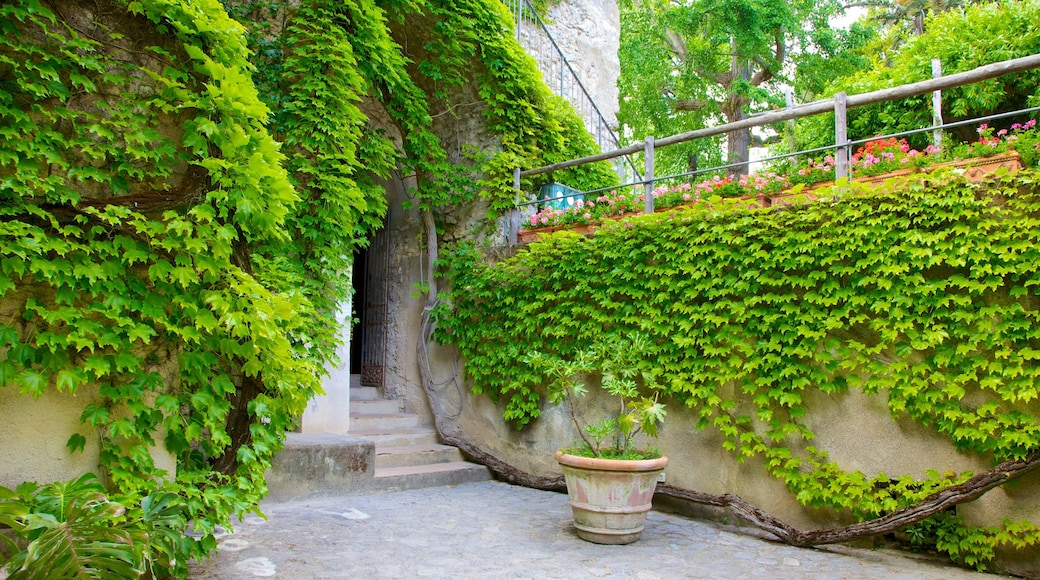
[(923, 293), (161, 248)]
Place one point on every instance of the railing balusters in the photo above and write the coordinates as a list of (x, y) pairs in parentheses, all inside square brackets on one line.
[(566, 80)]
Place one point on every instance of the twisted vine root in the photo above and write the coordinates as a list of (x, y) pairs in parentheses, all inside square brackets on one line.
[(936, 503)]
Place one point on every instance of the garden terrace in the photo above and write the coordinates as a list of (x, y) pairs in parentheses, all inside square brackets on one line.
[(869, 357)]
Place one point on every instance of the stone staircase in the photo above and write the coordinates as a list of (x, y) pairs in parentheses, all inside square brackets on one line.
[(385, 449), (408, 454)]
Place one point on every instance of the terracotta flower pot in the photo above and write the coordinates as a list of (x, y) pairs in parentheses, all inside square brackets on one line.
[(610, 497)]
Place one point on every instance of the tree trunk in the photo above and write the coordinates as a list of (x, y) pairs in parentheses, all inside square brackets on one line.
[(738, 143), (238, 421)]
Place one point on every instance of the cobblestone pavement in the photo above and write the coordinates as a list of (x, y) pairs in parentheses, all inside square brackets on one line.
[(496, 530)]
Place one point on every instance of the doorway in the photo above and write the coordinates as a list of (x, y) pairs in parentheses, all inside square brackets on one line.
[(371, 293)]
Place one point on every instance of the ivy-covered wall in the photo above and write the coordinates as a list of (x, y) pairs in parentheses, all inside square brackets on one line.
[(862, 351), (183, 186)]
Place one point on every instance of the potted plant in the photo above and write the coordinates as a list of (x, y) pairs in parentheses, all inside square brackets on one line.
[(610, 481)]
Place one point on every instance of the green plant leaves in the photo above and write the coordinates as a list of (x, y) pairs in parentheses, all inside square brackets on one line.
[(178, 226), (923, 293), (73, 530)]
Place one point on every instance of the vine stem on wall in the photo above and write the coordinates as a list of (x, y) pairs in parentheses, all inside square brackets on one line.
[(500, 468), (942, 500)]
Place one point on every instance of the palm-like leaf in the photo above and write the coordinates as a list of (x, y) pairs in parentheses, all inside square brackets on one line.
[(164, 516), (74, 533), (84, 546), (12, 511)]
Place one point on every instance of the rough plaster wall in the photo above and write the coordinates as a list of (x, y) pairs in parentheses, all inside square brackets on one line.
[(856, 430), (588, 33), (404, 310), (33, 432)]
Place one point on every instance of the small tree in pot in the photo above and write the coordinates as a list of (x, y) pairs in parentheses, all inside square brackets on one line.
[(611, 483)]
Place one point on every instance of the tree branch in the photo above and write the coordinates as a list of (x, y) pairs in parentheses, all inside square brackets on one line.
[(688, 105), (156, 201), (676, 44), (764, 73)]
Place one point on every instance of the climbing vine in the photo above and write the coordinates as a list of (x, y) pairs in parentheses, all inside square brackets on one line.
[(137, 180), (923, 293), (182, 197), (536, 127)]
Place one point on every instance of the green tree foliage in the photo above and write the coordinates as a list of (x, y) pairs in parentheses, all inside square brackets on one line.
[(839, 55), (648, 89), (907, 18), (923, 293), (712, 61), (962, 40)]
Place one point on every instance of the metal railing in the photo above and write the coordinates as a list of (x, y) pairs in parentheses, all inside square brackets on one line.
[(842, 145), (562, 79)]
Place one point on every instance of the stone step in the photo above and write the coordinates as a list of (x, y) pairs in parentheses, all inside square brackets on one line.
[(320, 464), (433, 475), (384, 421), (395, 437), (374, 407), (355, 381), (360, 393), (402, 455)]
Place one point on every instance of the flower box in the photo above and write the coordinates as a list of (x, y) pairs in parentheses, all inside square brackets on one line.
[(977, 168), (872, 179), (883, 177), (789, 197), (529, 235)]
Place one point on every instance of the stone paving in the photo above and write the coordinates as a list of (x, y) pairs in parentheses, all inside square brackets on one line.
[(496, 530)]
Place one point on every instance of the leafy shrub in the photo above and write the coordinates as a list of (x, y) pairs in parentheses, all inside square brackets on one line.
[(618, 361)]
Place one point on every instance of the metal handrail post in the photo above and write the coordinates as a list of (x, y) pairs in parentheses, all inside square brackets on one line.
[(937, 116)]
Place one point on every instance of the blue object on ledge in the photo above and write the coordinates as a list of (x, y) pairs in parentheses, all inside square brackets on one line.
[(559, 196)]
